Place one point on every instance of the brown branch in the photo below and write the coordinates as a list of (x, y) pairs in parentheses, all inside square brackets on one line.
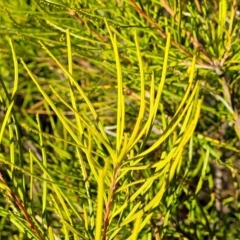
[(154, 24), (110, 200), (195, 42), (156, 230), (73, 13), (22, 209)]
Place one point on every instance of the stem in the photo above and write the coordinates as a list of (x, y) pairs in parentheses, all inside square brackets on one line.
[(22, 209), (110, 200)]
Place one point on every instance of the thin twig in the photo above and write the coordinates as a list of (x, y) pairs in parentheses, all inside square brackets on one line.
[(156, 230), (154, 24), (110, 200), (22, 209), (81, 22), (195, 42)]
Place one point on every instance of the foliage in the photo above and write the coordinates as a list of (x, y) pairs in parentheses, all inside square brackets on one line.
[(119, 119)]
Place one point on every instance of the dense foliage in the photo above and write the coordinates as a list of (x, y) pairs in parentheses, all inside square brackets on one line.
[(119, 119)]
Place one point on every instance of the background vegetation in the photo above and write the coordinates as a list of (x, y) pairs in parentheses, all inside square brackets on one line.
[(119, 119)]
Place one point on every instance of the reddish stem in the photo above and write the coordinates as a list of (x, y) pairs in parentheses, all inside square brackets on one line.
[(109, 203)]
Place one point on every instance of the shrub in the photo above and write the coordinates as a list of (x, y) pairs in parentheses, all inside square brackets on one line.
[(120, 120)]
